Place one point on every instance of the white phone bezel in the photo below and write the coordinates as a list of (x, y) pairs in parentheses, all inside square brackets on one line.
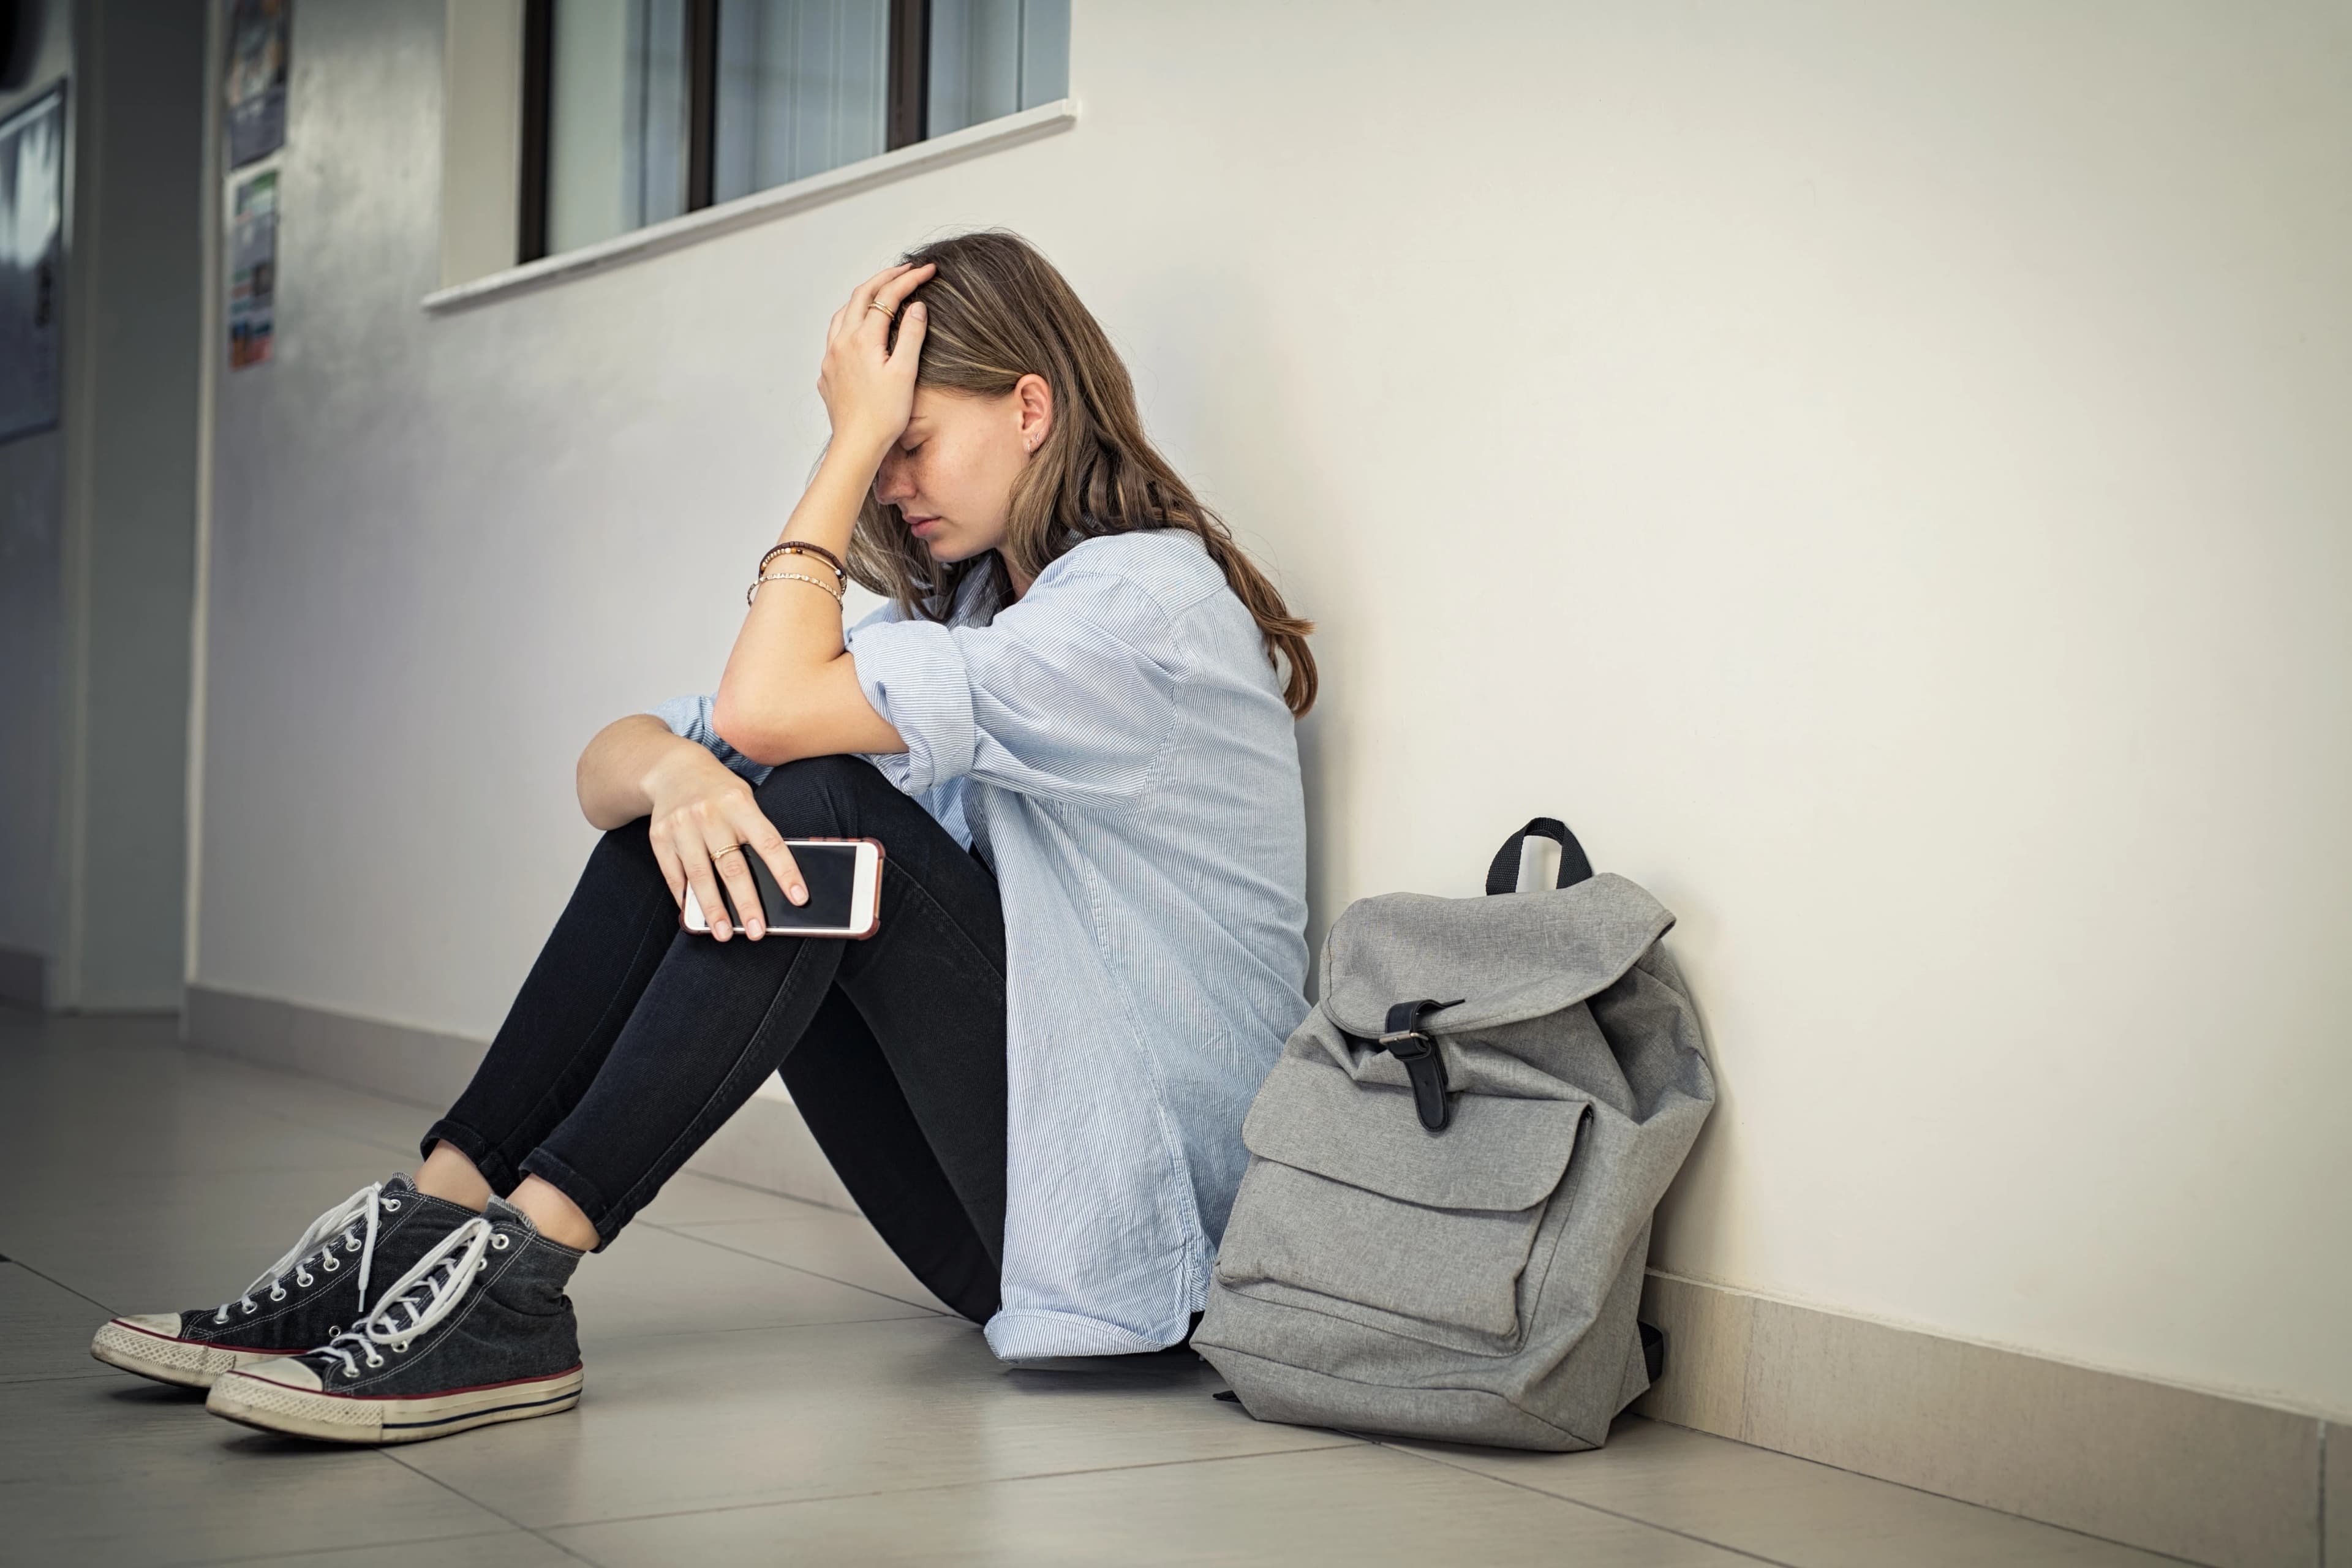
[(865, 871)]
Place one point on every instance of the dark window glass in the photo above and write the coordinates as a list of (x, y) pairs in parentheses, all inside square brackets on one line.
[(637, 111)]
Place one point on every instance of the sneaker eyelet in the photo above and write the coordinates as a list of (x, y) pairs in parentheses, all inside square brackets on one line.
[(334, 1331), (277, 1292), (400, 1349), (351, 1371), (375, 1361), (499, 1242), (221, 1316), (250, 1307), (331, 1263), (350, 1243), (392, 1203), (304, 1279), (480, 1264)]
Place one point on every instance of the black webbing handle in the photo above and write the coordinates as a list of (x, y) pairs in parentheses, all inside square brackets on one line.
[(1502, 876)]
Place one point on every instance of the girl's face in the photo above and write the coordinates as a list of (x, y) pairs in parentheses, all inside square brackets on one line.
[(951, 471)]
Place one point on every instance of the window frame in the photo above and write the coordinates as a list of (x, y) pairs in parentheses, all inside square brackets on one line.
[(906, 115)]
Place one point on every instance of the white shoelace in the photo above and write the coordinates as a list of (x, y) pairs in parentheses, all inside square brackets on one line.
[(427, 1293), (330, 1228)]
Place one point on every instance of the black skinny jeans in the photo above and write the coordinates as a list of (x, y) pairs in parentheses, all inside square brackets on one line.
[(632, 1041)]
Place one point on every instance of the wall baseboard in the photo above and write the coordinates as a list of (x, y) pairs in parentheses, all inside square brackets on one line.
[(24, 978), (2197, 1475), (765, 1144)]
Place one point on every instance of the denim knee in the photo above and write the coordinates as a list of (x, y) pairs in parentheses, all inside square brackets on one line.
[(816, 797)]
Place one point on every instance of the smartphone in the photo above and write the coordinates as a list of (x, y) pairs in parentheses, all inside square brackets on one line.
[(843, 877)]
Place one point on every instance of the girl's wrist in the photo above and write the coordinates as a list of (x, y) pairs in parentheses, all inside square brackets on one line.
[(858, 453), (668, 764)]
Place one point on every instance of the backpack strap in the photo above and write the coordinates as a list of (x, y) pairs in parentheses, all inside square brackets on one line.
[(1424, 1062), (1502, 876)]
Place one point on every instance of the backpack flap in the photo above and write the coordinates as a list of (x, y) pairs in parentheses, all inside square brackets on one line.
[(1509, 957), (1511, 1154)]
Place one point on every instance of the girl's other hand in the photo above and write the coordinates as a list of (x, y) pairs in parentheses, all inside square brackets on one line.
[(699, 808), (868, 391)]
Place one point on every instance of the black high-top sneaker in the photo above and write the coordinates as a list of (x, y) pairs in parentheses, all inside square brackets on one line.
[(480, 1331), (328, 1279)]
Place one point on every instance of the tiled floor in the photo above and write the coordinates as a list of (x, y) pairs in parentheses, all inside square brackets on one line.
[(765, 1383)]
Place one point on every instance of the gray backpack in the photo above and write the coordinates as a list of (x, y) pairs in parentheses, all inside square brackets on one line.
[(1446, 1215)]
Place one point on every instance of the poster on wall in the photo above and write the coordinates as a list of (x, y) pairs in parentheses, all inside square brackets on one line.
[(32, 262), (257, 79), (253, 271)]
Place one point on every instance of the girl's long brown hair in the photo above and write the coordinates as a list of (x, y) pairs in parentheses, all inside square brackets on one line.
[(998, 310)]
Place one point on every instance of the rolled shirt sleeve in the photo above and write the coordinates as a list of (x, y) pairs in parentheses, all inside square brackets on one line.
[(1067, 695), (688, 719)]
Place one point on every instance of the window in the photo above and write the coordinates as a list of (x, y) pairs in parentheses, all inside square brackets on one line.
[(637, 111)]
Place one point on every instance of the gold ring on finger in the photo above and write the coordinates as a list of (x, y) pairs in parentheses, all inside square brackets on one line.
[(879, 305), (731, 849)]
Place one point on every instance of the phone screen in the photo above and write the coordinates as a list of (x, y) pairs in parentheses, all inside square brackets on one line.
[(827, 870)]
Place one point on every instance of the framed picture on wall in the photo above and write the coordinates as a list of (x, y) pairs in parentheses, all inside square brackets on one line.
[(257, 79), (32, 262)]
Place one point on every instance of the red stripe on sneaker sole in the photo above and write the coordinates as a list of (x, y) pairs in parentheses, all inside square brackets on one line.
[(200, 1345), (436, 1393)]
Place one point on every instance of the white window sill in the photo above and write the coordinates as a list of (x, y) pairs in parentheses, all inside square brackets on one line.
[(762, 205)]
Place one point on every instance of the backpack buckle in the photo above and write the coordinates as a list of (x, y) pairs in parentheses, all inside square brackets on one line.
[(1424, 1063)]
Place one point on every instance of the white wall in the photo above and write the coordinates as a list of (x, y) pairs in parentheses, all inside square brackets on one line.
[(1876, 470)]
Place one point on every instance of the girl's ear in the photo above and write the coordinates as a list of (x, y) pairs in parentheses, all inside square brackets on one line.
[(1035, 401)]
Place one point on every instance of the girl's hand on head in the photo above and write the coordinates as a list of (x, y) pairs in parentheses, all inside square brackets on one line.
[(868, 391), (700, 809)]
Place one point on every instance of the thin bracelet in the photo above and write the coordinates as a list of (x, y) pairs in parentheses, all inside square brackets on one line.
[(752, 592), (801, 547)]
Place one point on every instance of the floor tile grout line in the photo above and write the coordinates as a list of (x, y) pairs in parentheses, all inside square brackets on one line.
[(1882, 1481), (599, 1340), (242, 1558), (765, 1191), (209, 1056), (795, 1267), (494, 1512), (258, 1108), (1941, 1496), (569, 1551), (1596, 1507), (61, 1285), (1345, 1441)]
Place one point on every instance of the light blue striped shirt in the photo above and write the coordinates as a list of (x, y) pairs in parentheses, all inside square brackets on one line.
[(1116, 745)]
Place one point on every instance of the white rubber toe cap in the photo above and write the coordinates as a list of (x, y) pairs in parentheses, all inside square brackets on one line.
[(167, 1324)]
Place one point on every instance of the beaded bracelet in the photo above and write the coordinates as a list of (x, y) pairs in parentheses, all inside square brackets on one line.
[(802, 547), (752, 592)]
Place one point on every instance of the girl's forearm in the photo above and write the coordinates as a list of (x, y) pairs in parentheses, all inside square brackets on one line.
[(793, 633)]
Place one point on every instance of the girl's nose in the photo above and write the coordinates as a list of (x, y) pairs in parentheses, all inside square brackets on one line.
[(895, 483)]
